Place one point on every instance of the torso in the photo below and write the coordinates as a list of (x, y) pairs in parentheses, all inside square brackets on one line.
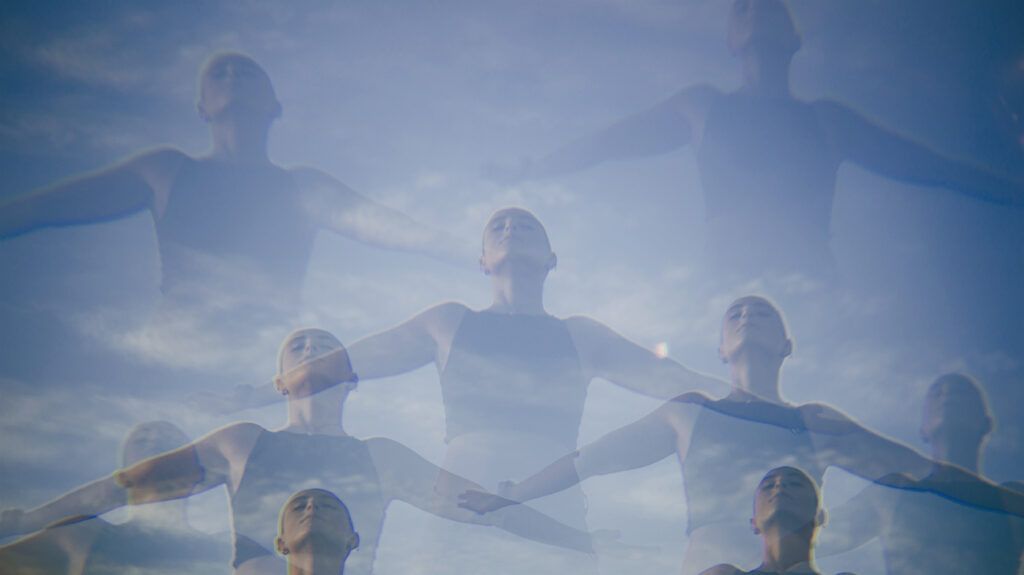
[(926, 534), (768, 173), (513, 373), (282, 463), (232, 228), (725, 459)]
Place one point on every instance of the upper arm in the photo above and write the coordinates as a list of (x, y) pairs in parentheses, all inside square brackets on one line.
[(853, 523), (879, 149), (606, 354), (407, 346), (196, 467), (407, 476), (666, 126), (722, 569), (639, 444), (138, 183), (867, 453)]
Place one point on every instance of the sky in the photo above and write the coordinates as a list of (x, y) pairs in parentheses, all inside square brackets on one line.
[(413, 104)]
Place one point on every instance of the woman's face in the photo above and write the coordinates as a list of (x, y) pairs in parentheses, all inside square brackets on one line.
[(236, 83), (517, 234)]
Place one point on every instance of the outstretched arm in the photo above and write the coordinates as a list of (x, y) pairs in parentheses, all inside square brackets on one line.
[(407, 476), (665, 127), (889, 154), (608, 355), (636, 445), (179, 473), (852, 524), (407, 346), (131, 186), (332, 205)]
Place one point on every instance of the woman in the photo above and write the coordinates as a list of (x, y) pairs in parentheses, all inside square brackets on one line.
[(261, 469)]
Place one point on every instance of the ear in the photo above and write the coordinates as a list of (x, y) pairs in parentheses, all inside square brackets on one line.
[(821, 518), (753, 527), (279, 545), (483, 266), (988, 425), (277, 111), (552, 261), (279, 385), (202, 112), (787, 348), (721, 354), (355, 541)]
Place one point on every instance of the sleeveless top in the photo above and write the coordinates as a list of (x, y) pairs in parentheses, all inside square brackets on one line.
[(768, 175), (231, 228), (516, 373), (283, 463), (935, 536), (727, 459)]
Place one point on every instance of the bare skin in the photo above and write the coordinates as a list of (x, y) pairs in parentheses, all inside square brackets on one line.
[(787, 513), (754, 345), (315, 370), (518, 258), (316, 534), (238, 103), (794, 147), (955, 426)]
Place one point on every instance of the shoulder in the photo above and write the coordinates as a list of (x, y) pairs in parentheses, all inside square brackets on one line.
[(389, 455), (232, 437), (159, 160), (722, 569), (444, 316), (586, 326)]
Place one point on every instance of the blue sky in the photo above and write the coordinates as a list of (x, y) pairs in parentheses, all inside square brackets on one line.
[(407, 102)]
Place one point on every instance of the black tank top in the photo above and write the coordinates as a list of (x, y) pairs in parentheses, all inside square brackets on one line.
[(511, 372), (283, 463), (768, 173), (234, 229), (728, 457), (934, 536)]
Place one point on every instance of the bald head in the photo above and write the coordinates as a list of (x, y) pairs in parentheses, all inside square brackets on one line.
[(762, 25), (233, 85)]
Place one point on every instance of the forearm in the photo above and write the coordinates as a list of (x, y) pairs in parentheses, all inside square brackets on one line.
[(965, 487), (173, 475), (95, 498), (558, 476), (531, 524), (79, 201)]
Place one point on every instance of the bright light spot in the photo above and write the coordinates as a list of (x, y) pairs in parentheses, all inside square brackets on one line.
[(661, 350)]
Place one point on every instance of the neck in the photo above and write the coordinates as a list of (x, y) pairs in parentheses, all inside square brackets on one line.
[(313, 562), (784, 549), (766, 73), (518, 291), (756, 371), (320, 413), (958, 451), (240, 142)]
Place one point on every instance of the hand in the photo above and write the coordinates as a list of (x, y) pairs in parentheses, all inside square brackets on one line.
[(481, 502), (11, 522)]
